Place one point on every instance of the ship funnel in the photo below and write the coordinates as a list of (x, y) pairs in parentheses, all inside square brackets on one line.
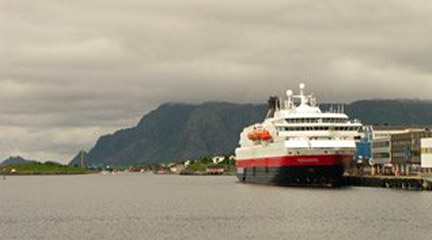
[(273, 104)]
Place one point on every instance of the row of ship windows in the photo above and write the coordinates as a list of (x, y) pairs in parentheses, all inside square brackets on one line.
[(426, 150), (405, 155), (315, 120), (320, 138), (381, 144), (381, 155), (319, 128)]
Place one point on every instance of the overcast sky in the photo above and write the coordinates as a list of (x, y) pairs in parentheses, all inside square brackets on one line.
[(73, 70)]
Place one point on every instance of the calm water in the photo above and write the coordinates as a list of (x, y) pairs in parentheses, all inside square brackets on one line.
[(140, 206)]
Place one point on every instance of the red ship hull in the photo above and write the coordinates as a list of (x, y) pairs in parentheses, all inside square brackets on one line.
[(294, 170)]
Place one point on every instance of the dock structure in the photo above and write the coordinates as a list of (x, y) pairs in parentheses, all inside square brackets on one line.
[(397, 182)]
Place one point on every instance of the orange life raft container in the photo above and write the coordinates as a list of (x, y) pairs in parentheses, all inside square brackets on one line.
[(259, 135)]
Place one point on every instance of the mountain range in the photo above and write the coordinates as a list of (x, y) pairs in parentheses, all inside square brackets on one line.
[(175, 132), (15, 161)]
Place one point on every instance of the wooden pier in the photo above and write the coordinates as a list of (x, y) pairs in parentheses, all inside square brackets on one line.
[(397, 182)]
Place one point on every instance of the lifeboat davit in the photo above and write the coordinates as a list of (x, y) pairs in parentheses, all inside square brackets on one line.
[(259, 135)]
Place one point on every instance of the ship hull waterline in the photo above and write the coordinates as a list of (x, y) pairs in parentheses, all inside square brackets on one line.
[(314, 170)]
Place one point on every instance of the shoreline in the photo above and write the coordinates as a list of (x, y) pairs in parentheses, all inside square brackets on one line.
[(44, 174)]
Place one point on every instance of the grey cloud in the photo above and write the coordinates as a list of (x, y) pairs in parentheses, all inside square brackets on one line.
[(100, 65)]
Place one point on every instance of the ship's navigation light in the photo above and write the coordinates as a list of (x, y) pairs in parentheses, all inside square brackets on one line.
[(302, 86), (289, 93)]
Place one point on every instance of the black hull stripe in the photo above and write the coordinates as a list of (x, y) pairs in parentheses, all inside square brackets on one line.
[(321, 175)]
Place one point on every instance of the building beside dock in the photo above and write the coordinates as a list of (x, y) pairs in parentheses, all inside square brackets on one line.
[(364, 145), (426, 153), (406, 149), (397, 150), (381, 155), (381, 146)]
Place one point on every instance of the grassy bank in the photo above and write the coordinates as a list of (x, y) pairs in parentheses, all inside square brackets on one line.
[(42, 169)]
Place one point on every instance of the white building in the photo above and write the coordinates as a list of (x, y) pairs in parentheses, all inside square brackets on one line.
[(381, 151), (382, 144), (218, 159), (176, 168), (426, 153)]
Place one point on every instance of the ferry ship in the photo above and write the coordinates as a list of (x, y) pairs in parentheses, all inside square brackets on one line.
[(297, 144)]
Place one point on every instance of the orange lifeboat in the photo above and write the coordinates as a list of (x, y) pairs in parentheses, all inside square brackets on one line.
[(259, 135), (265, 135), (253, 135)]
